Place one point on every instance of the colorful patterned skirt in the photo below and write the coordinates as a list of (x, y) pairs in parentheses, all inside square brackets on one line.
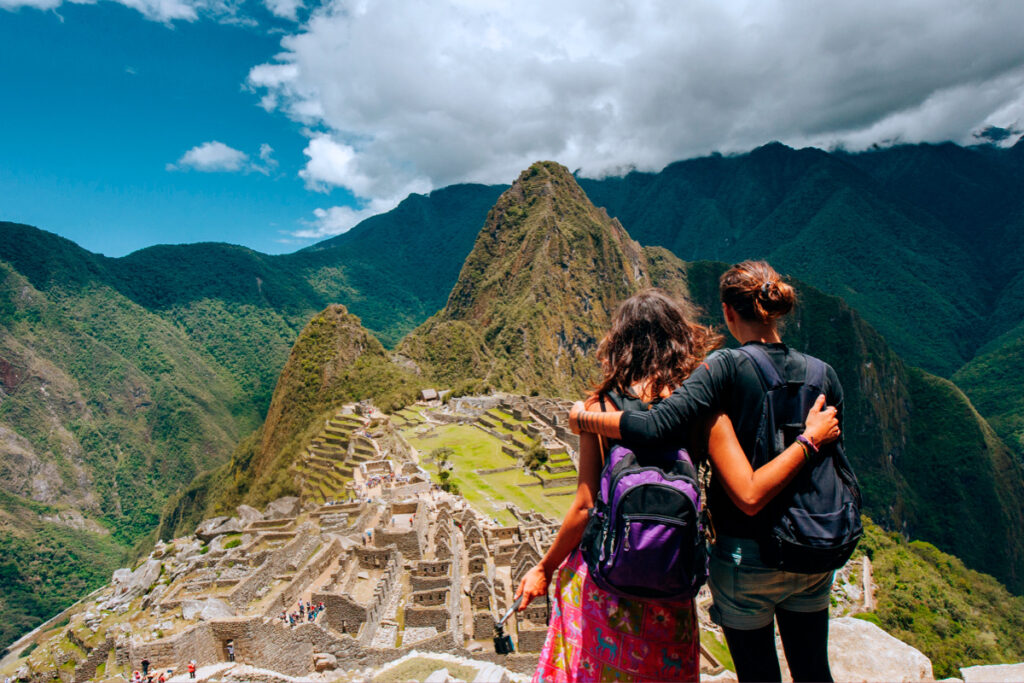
[(596, 636)]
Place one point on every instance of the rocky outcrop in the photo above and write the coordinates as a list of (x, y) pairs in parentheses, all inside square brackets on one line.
[(282, 508), (129, 585), (999, 673), (205, 610), (860, 651), (218, 526), (248, 514)]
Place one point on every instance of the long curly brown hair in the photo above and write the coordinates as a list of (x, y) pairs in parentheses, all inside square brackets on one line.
[(652, 339)]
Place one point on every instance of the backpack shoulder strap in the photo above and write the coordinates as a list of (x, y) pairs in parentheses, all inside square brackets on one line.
[(766, 369), (625, 402), (815, 373)]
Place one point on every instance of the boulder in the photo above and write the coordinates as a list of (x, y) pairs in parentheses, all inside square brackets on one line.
[(995, 673), (860, 651), (247, 514), (129, 585), (220, 540), (324, 661), (189, 549), (218, 526), (208, 525), (153, 597), (120, 578), (439, 676), (491, 673), (282, 508), (205, 610)]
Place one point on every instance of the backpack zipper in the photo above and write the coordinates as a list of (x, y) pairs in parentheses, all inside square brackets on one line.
[(693, 506)]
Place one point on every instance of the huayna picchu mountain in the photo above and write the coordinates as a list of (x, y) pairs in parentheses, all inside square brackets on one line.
[(535, 294)]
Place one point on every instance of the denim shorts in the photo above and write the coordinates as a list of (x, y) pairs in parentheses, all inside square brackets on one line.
[(746, 592)]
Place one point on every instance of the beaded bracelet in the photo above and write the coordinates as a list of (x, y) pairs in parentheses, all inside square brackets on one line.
[(807, 451), (807, 442)]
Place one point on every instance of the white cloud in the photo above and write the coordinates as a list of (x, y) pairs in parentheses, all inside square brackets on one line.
[(211, 157), (426, 94), (214, 156), (35, 4), (167, 11), (339, 219), (269, 163), (286, 9)]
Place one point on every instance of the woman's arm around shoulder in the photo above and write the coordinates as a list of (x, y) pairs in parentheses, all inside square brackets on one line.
[(669, 420), (751, 489)]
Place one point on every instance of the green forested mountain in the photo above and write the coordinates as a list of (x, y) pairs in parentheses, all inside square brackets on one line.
[(536, 294), (335, 360), (396, 269), (122, 378)]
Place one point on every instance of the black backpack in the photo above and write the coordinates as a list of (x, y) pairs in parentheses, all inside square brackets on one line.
[(813, 525)]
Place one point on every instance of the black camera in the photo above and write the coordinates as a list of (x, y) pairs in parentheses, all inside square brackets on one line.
[(503, 642)]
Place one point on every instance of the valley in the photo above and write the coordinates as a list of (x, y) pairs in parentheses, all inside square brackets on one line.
[(138, 400)]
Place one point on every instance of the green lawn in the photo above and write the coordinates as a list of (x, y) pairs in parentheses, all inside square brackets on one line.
[(501, 415), (476, 450)]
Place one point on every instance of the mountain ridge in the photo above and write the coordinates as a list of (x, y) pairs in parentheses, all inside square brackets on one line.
[(116, 341)]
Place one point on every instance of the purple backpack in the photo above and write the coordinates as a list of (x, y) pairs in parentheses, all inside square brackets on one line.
[(644, 538)]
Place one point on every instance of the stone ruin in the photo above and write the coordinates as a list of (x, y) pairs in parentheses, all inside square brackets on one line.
[(401, 570)]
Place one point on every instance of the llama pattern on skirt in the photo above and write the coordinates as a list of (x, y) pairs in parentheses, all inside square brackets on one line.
[(597, 636)]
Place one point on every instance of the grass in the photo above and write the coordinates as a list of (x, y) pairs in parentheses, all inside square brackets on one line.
[(476, 450), (718, 649)]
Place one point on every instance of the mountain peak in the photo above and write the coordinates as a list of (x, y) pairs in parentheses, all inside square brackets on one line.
[(537, 291), (540, 230)]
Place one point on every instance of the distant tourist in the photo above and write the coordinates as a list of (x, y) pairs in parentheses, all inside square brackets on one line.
[(231, 652), (145, 667), (732, 388), (192, 668)]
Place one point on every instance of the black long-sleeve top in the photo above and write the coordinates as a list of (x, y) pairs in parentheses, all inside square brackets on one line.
[(727, 382)]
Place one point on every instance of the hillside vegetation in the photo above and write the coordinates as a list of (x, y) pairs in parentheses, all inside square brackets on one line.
[(334, 361), (121, 379), (535, 294), (956, 616)]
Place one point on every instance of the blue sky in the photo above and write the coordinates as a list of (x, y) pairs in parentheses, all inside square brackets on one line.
[(98, 100), (275, 123)]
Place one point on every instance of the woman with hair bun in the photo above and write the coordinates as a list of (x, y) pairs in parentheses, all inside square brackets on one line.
[(728, 390)]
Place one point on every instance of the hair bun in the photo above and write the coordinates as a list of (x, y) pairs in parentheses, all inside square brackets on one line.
[(756, 292)]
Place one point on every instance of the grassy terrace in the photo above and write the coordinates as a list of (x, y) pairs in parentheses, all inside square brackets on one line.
[(476, 450)]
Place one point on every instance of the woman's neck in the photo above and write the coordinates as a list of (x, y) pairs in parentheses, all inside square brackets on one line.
[(756, 332)]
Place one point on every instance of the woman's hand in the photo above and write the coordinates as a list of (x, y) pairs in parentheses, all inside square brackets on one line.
[(533, 585), (822, 424)]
